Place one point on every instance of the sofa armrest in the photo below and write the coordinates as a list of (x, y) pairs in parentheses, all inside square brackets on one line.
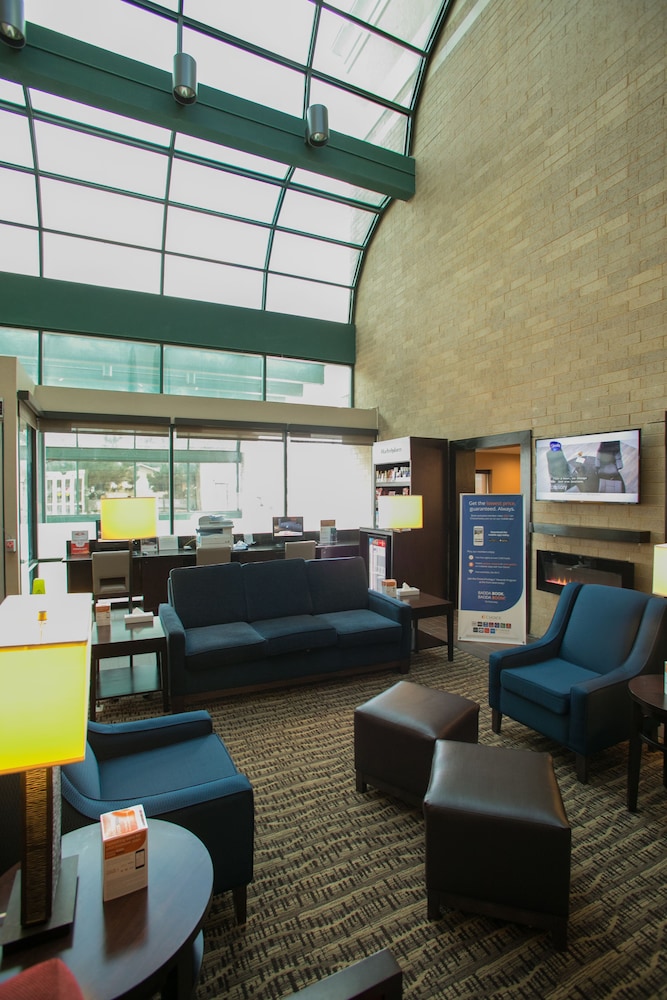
[(389, 607), (124, 738)]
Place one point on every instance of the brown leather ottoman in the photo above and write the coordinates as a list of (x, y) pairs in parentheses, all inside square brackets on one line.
[(395, 732), (497, 837)]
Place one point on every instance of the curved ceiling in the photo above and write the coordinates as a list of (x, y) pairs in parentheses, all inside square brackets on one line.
[(108, 181)]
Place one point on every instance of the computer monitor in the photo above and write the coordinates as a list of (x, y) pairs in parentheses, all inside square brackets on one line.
[(287, 528)]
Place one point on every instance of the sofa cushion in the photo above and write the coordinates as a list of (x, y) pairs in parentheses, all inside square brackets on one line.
[(362, 627), (337, 584), (208, 595), (276, 589), (217, 645), (547, 683), (295, 632)]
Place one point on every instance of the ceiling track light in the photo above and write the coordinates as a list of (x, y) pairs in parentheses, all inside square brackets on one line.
[(184, 84), (12, 23), (317, 125)]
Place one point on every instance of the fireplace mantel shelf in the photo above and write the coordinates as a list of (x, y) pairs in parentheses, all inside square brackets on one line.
[(602, 534)]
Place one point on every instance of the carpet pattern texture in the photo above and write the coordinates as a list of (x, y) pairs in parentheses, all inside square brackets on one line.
[(339, 875)]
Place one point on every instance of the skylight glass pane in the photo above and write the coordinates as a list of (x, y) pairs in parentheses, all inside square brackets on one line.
[(307, 298), (410, 20), (318, 182), (111, 24), (361, 118), (346, 51), (310, 214), (205, 187), (12, 93), (104, 120), (313, 258), (283, 27), (19, 250), (90, 212), (19, 197), (198, 279), (202, 235), (15, 145), (245, 74), (100, 161), (93, 263), (229, 157)]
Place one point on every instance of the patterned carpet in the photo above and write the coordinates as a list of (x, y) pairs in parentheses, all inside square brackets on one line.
[(339, 875)]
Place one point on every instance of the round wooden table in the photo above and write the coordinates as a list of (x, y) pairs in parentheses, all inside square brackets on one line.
[(649, 703), (139, 944)]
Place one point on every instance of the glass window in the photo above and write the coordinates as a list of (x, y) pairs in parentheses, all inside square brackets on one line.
[(105, 215), (95, 263), (24, 345), (217, 238), (329, 479), (189, 371), (208, 282), (19, 197), (310, 214), (283, 27), (307, 298), (311, 258), (241, 477), (100, 363), (19, 250), (15, 145), (293, 381)]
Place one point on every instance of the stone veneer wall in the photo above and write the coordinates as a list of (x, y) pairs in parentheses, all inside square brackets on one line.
[(523, 287)]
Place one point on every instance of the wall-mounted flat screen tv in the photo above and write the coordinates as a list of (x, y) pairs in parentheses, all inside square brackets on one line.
[(594, 468)]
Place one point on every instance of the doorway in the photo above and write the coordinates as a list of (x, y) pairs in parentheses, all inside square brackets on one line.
[(496, 463)]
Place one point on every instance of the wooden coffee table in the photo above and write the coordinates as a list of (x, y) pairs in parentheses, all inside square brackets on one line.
[(649, 703), (428, 606), (117, 639), (139, 944)]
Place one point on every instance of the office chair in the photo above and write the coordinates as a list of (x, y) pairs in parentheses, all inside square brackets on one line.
[(207, 555), (300, 550), (112, 574)]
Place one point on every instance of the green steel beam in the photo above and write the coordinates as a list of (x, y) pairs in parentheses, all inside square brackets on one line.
[(93, 76), (70, 307)]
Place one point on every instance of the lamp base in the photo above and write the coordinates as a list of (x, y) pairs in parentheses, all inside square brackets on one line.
[(14, 936)]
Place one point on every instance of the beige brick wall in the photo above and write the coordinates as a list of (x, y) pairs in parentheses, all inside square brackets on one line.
[(523, 287)]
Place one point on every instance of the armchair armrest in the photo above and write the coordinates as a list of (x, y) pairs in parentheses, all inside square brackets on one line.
[(124, 738)]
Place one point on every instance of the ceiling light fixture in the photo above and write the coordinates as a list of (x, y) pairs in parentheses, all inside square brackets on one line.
[(185, 78), (317, 125), (12, 23)]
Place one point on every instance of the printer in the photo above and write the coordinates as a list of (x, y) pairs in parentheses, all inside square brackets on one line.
[(215, 529)]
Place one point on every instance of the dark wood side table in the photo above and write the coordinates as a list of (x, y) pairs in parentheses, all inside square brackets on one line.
[(118, 639), (428, 606), (139, 944), (649, 704)]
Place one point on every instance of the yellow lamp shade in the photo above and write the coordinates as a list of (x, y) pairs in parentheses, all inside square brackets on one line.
[(660, 570), (44, 680), (128, 517), (400, 512)]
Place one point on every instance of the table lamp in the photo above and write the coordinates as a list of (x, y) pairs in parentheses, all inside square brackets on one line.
[(126, 518), (660, 570), (400, 512), (44, 678)]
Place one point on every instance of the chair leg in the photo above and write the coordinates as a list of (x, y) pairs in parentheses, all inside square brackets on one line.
[(582, 768), (240, 897), (496, 720)]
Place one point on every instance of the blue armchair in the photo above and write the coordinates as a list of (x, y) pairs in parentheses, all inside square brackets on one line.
[(180, 771), (571, 685)]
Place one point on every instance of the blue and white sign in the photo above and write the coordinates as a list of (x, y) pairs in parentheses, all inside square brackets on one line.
[(492, 574)]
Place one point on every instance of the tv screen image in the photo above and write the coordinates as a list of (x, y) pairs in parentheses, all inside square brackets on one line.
[(599, 468), (287, 527)]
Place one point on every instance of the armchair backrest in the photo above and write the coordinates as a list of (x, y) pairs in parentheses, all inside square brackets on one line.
[(604, 626), (111, 572)]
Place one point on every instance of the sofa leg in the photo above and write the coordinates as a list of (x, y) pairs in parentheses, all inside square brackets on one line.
[(360, 784), (496, 720), (240, 897), (432, 905), (582, 768)]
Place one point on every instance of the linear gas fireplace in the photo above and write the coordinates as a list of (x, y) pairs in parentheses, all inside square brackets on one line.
[(555, 569)]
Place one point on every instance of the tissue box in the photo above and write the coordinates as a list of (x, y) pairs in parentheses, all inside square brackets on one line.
[(103, 613), (124, 851), (138, 617), (405, 592)]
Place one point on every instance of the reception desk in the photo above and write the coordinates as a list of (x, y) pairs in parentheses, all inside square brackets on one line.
[(151, 572)]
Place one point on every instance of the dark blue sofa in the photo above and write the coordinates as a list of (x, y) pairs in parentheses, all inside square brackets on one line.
[(236, 626)]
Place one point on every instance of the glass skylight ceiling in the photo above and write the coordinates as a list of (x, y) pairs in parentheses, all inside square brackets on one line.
[(90, 195)]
